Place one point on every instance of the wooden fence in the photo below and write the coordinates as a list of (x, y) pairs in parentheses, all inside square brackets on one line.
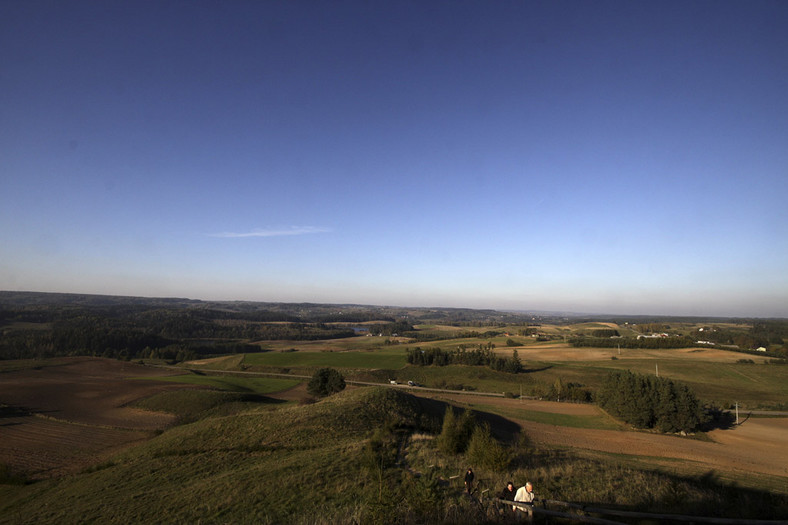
[(537, 509)]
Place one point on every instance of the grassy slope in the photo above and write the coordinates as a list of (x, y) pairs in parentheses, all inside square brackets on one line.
[(257, 385), (255, 467), (301, 464)]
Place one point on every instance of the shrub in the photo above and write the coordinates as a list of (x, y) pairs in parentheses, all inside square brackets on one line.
[(484, 450), (456, 432), (325, 382)]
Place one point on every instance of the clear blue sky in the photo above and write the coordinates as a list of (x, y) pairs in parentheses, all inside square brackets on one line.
[(614, 157)]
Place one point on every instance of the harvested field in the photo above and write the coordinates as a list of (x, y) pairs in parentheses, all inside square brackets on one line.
[(757, 446), (230, 362), (42, 447), (736, 451), (70, 413), (564, 352)]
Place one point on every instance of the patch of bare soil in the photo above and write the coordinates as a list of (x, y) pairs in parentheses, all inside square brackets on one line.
[(71, 413), (297, 393)]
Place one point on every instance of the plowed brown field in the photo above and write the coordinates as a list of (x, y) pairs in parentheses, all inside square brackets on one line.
[(71, 413)]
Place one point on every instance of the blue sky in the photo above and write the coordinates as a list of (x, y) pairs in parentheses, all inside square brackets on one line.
[(612, 157)]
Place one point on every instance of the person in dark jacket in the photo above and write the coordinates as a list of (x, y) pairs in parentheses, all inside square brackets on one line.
[(469, 480), (508, 492)]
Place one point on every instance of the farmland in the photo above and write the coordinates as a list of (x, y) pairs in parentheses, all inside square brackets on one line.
[(154, 426)]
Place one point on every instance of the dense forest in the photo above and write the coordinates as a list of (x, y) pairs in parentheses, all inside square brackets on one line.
[(38, 325), (32, 326)]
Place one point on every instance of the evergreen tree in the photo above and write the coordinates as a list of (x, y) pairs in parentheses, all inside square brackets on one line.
[(484, 450), (456, 432), (448, 441)]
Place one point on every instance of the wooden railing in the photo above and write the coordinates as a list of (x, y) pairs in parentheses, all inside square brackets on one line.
[(539, 507)]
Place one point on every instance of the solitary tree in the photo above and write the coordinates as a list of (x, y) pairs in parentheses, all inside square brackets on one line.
[(484, 450), (456, 431), (325, 382)]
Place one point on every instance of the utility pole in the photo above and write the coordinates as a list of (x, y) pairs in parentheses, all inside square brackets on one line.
[(737, 412)]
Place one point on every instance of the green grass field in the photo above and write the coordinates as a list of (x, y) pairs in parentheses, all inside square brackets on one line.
[(753, 386), (722, 383), (388, 358)]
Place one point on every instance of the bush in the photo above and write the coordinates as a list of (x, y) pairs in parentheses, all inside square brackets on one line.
[(325, 382), (456, 432), (484, 450)]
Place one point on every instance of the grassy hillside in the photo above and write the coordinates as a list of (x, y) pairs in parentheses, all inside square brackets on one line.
[(254, 467), (311, 464)]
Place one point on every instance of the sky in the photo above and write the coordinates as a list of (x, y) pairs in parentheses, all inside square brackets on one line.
[(601, 157)]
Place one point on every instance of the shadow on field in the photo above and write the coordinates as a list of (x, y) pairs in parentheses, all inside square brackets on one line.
[(10, 411), (500, 427), (542, 369), (719, 419), (260, 398)]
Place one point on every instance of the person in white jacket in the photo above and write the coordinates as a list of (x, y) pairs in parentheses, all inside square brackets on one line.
[(525, 495)]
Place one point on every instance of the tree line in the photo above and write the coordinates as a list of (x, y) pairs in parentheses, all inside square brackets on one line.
[(134, 332), (650, 402), (480, 355), (392, 328)]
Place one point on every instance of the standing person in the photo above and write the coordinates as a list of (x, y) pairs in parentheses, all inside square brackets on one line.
[(525, 495), (469, 480), (508, 492)]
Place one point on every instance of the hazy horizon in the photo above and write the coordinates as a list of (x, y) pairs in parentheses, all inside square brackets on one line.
[(606, 157), (525, 311)]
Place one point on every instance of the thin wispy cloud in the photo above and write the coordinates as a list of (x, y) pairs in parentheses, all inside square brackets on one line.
[(273, 232)]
